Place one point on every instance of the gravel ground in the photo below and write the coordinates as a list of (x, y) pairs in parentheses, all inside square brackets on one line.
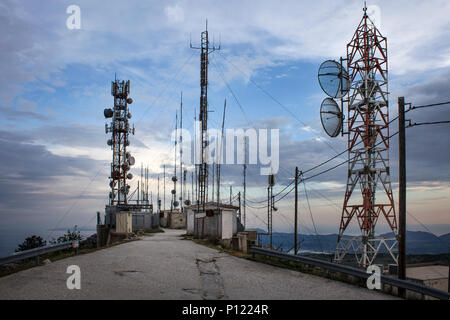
[(164, 266)]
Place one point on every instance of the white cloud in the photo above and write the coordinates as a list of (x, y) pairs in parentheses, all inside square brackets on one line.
[(175, 14)]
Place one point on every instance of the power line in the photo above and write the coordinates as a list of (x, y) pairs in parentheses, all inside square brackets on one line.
[(170, 82), (430, 105), (275, 100), (76, 201), (312, 218), (427, 123)]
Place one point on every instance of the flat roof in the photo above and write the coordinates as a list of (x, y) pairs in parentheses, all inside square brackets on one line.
[(427, 272), (212, 205)]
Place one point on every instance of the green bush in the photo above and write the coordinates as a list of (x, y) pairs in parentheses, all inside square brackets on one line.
[(31, 243), (70, 235)]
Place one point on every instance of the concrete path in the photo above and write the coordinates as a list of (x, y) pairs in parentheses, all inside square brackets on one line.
[(164, 266)]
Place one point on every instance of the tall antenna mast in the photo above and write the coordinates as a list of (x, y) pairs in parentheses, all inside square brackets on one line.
[(245, 180), (158, 201), (221, 152), (120, 131), (203, 172), (181, 151), (164, 186), (192, 186), (174, 178), (146, 184), (142, 182), (368, 145)]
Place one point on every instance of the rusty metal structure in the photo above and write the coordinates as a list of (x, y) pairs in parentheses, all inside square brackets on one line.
[(120, 130), (368, 147), (205, 51)]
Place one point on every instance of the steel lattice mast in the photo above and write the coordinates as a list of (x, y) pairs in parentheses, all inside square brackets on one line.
[(368, 145), (205, 50), (120, 131)]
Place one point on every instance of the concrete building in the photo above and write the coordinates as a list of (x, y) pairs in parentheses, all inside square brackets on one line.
[(142, 217), (218, 221), (434, 276), (124, 222), (173, 219)]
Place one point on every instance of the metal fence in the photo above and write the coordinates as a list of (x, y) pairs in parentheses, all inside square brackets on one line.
[(37, 252), (355, 272)]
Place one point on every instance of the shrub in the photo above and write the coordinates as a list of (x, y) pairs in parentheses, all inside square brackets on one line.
[(70, 235), (31, 243)]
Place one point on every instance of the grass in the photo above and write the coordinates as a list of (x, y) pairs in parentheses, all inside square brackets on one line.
[(153, 231)]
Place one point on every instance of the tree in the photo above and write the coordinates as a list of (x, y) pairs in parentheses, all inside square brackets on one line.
[(31, 243), (70, 235)]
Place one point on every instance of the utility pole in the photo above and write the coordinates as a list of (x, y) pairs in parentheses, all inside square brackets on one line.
[(239, 201), (296, 212), (270, 205), (231, 192), (402, 194), (192, 186)]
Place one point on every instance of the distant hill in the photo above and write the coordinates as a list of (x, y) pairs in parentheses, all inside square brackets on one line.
[(445, 238), (417, 242)]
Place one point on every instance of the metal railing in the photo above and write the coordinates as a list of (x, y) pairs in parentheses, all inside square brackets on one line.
[(37, 252), (355, 272)]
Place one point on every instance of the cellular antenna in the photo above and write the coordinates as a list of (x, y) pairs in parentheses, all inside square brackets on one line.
[(120, 131), (363, 87), (205, 50)]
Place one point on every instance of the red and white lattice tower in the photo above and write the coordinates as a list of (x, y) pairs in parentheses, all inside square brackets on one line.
[(120, 131), (368, 145)]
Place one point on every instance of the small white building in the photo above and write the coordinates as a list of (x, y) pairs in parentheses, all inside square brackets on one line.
[(124, 222), (216, 221)]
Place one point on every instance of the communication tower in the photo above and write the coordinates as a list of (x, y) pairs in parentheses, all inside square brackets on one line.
[(363, 87), (120, 130)]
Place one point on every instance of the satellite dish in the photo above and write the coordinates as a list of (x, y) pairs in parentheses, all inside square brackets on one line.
[(174, 179), (129, 101), (187, 202), (108, 113), (175, 204), (130, 176), (131, 161), (333, 79), (331, 117)]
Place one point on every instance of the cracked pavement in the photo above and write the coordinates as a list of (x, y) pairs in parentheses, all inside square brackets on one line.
[(164, 266)]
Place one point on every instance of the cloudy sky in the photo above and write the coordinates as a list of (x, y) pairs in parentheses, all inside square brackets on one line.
[(56, 82)]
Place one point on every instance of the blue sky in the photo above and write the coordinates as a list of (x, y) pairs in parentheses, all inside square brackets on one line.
[(56, 83)]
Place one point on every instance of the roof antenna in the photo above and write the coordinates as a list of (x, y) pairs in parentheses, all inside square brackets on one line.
[(365, 8)]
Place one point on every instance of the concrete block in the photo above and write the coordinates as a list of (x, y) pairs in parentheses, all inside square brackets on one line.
[(242, 236)]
